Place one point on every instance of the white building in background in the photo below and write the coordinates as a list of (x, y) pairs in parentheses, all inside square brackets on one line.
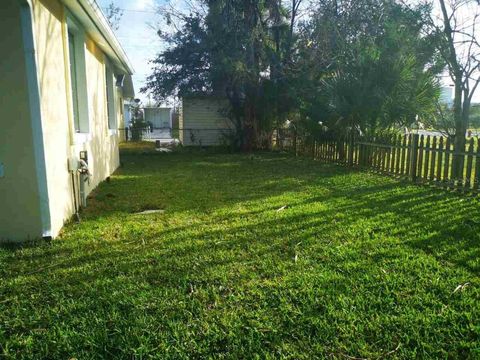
[(203, 121), (127, 114), (158, 117), (446, 95)]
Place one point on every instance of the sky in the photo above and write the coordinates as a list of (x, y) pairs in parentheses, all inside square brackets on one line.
[(138, 36), (466, 15)]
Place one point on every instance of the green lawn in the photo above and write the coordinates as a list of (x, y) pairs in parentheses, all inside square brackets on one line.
[(357, 266)]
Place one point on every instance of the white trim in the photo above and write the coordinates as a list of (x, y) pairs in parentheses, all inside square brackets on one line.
[(110, 95), (82, 138), (96, 25), (78, 33), (102, 23)]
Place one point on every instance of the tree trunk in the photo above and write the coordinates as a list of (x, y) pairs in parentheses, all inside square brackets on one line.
[(466, 108), (249, 126), (460, 129), (251, 61)]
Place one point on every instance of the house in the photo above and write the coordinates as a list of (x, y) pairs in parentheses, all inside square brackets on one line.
[(158, 117), (446, 95), (64, 78), (203, 121), (127, 113)]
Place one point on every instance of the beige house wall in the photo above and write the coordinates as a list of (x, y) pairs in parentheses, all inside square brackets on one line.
[(203, 121), (61, 142), (19, 202), (20, 215), (54, 91), (103, 147)]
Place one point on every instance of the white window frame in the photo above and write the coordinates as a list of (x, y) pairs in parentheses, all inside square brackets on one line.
[(81, 123), (110, 97)]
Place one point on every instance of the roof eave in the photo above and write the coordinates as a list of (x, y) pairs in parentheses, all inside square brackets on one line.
[(96, 25)]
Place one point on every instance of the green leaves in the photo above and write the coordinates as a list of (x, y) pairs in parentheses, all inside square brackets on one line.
[(379, 71), (184, 67), (364, 64)]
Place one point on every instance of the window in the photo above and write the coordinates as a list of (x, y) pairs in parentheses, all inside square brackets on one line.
[(109, 83), (73, 80), (78, 78)]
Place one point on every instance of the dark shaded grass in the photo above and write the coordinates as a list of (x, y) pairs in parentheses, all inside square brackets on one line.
[(358, 265)]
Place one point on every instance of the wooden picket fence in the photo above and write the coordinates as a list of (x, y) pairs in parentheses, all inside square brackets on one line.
[(422, 159)]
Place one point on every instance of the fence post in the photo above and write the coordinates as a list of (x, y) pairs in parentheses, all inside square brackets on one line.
[(476, 177), (414, 157), (468, 175)]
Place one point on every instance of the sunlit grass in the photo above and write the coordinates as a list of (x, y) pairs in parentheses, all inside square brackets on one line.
[(356, 265)]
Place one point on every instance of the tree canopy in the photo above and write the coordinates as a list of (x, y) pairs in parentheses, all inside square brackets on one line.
[(347, 65)]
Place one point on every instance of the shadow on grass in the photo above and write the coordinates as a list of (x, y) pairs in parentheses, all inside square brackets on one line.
[(223, 271), (446, 221)]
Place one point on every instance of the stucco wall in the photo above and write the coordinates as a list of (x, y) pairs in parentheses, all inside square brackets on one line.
[(61, 143), (103, 146), (51, 62), (203, 121), (19, 203)]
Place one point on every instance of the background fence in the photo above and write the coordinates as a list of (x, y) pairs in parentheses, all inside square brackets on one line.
[(129, 134), (419, 158), (190, 136), (145, 133)]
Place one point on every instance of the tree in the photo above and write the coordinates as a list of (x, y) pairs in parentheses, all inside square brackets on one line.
[(234, 50), (138, 125), (362, 64), (113, 14), (185, 66), (372, 68), (460, 49)]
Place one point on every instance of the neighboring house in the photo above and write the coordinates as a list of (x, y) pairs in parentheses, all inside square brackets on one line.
[(127, 113), (202, 121), (64, 78), (446, 95), (175, 118), (158, 117)]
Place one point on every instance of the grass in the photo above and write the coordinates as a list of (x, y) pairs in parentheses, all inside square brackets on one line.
[(356, 266)]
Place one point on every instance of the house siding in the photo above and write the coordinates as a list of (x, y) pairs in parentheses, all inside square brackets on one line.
[(49, 20), (61, 143), (19, 201), (20, 208), (202, 121)]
